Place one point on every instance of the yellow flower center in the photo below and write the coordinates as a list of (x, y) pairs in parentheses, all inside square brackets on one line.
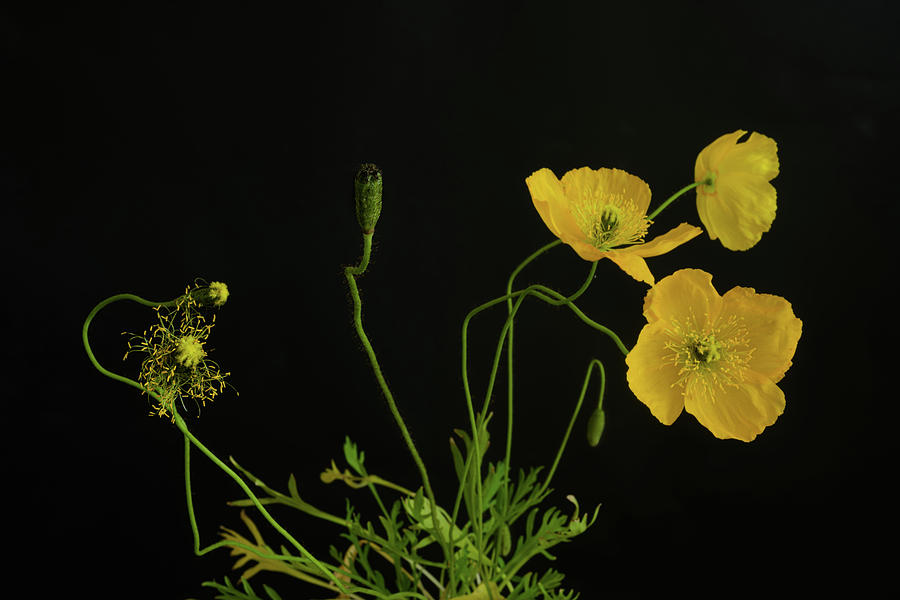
[(189, 352), (706, 350), (709, 360), (609, 221)]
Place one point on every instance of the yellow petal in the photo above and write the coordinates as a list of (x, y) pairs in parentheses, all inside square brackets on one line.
[(742, 206), (686, 297), (740, 412), (757, 156), (667, 241), (772, 329), (601, 183), (740, 211), (552, 205), (587, 251), (632, 263), (711, 156), (631, 258), (652, 374)]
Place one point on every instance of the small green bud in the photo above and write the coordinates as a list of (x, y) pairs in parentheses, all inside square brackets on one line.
[(595, 427), (367, 190)]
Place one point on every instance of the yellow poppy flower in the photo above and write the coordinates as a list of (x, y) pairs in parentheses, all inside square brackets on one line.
[(735, 200), (717, 357), (603, 214)]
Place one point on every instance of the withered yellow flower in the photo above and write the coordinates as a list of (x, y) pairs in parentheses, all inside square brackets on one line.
[(735, 200), (717, 357), (602, 213)]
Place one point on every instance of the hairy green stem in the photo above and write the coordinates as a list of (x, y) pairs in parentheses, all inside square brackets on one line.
[(351, 273)]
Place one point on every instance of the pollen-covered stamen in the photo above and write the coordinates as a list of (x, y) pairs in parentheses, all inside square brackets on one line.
[(610, 220), (706, 350), (605, 228), (176, 365), (712, 358), (189, 351)]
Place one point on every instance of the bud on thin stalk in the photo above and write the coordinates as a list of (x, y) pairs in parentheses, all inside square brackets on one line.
[(367, 191), (596, 425)]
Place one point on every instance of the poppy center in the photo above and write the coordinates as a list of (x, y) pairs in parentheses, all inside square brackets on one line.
[(610, 221), (706, 349), (605, 226)]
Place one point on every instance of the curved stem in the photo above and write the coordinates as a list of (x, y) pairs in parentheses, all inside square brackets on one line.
[(672, 198), (535, 290), (183, 427), (509, 349), (509, 342), (351, 273), (565, 440), (87, 324), (225, 543)]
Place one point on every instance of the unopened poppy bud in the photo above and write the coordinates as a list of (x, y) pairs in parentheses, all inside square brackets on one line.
[(215, 295), (595, 427), (367, 190)]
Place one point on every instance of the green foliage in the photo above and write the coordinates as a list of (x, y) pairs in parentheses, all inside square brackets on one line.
[(398, 552), (478, 546), (227, 591), (483, 545)]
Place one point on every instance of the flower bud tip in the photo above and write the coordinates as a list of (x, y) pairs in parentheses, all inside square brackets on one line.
[(367, 191)]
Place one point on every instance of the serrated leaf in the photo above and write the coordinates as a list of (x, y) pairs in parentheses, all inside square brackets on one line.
[(247, 587), (458, 462), (354, 457)]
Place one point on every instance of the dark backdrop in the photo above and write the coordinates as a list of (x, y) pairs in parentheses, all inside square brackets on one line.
[(149, 144)]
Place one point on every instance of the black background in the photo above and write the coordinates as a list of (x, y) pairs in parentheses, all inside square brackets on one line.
[(153, 143)]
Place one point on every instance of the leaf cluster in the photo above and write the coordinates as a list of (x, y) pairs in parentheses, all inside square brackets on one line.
[(416, 550)]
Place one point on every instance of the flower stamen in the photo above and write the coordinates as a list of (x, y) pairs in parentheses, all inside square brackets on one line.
[(711, 359), (610, 221)]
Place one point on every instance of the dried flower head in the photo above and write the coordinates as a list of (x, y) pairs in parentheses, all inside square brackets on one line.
[(176, 365)]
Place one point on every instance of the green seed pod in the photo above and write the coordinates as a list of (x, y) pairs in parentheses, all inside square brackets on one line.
[(367, 189), (595, 427)]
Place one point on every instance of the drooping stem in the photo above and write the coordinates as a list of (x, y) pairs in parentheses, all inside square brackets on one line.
[(87, 324), (547, 295), (565, 440), (509, 342)]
